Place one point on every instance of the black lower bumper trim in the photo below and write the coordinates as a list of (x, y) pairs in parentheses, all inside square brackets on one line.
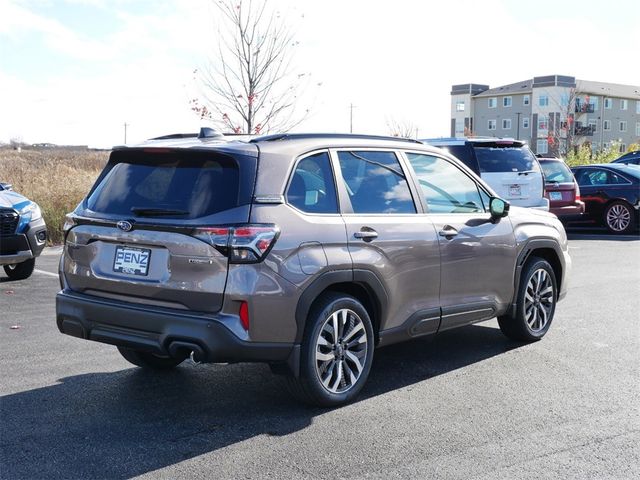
[(160, 331), (12, 244)]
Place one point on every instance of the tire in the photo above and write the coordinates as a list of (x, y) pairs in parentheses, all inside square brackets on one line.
[(149, 360), (536, 303), (619, 218), (20, 271), (337, 377)]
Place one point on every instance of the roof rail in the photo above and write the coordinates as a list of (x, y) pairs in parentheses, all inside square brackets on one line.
[(297, 136), (205, 132)]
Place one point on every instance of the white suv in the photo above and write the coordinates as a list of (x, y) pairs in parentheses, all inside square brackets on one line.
[(507, 165)]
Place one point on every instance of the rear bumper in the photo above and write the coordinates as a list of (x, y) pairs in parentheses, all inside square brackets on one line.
[(569, 213), (542, 204), (161, 331)]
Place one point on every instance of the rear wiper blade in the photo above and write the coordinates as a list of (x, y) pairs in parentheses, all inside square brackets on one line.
[(526, 172), (157, 212)]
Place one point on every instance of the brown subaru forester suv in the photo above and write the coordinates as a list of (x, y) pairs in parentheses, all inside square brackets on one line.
[(305, 251)]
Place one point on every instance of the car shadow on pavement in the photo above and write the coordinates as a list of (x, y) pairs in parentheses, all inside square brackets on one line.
[(600, 234), (129, 422)]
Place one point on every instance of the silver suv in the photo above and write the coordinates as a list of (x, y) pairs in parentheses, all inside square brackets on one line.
[(305, 251)]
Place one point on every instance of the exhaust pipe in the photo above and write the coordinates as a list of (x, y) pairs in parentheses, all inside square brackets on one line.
[(195, 358), (180, 349)]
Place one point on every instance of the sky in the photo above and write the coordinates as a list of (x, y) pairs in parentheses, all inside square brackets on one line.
[(75, 71)]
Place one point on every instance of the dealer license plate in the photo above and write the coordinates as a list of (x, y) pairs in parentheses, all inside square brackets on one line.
[(555, 195), (515, 191), (134, 261)]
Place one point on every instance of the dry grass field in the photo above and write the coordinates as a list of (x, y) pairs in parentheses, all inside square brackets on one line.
[(55, 178)]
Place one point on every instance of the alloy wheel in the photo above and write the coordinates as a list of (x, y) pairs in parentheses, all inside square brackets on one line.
[(538, 300), (618, 218), (341, 351)]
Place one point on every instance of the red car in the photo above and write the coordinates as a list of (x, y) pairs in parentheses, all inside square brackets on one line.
[(561, 189)]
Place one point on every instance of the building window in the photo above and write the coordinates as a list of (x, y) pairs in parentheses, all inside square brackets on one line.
[(543, 101), (525, 122), (606, 125), (624, 104), (593, 125), (637, 129), (506, 124), (638, 107), (493, 102), (491, 125), (543, 123), (622, 148), (623, 126), (608, 103), (542, 146), (606, 145), (459, 106), (506, 101), (526, 100)]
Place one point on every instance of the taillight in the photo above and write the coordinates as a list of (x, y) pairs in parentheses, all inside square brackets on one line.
[(577, 193), (241, 244)]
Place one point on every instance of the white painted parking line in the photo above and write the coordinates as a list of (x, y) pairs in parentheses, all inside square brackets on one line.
[(49, 274)]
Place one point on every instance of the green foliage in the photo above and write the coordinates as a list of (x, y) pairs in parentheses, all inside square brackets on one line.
[(584, 156), (634, 147)]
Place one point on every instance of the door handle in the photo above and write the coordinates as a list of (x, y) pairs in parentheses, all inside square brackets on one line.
[(366, 234), (448, 231)]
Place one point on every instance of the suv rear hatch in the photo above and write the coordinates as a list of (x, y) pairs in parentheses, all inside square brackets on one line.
[(560, 187), (512, 171), (153, 229)]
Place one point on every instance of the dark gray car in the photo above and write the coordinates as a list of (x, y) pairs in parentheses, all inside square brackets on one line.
[(302, 251)]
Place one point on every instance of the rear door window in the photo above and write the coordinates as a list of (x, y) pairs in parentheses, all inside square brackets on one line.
[(375, 182), (171, 184)]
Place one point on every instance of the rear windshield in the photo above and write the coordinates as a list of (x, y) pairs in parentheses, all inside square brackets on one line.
[(556, 172), (170, 184), (506, 159)]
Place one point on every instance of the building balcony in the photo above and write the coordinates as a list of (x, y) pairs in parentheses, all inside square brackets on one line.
[(584, 130), (584, 107)]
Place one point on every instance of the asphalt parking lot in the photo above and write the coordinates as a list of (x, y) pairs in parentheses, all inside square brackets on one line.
[(467, 404)]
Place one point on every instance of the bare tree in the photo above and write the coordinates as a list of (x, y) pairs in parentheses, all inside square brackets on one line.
[(402, 128), (568, 132), (248, 86)]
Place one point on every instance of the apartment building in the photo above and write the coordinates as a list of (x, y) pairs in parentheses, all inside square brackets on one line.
[(552, 113)]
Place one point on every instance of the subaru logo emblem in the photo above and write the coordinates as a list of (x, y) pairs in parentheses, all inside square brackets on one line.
[(124, 225)]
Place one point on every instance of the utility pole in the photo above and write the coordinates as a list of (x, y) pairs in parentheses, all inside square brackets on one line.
[(125, 132), (351, 107)]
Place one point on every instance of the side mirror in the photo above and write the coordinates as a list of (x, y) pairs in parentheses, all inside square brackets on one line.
[(6, 186), (498, 207)]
